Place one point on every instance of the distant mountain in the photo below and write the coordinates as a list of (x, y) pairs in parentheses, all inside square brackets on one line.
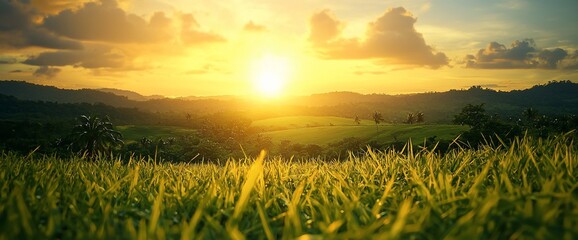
[(559, 97), (29, 91), (13, 109), (130, 94), (33, 92)]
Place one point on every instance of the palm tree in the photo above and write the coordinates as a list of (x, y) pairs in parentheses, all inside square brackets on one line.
[(93, 136), (377, 118), (410, 118), (419, 117), (357, 120), (530, 114)]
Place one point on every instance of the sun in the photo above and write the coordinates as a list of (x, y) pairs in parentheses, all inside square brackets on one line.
[(269, 75)]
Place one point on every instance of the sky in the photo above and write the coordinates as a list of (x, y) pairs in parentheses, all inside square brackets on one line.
[(273, 48)]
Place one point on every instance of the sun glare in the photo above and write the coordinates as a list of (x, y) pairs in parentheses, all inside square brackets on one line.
[(270, 75)]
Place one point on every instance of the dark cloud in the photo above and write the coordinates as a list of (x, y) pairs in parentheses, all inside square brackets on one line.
[(391, 38), (12, 16), (522, 54), (570, 62), (105, 21), (551, 58), (191, 34), (43, 38), (18, 30), (53, 7), (46, 71), (102, 57), (253, 27)]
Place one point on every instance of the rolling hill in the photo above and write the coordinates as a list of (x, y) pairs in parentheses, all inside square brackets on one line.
[(325, 130), (558, 97)]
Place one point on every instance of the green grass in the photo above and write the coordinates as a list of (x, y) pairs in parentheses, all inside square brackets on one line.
[(137, 132), (528, 190), (317, 130), (386, 133), (314, 130), (282, 123)]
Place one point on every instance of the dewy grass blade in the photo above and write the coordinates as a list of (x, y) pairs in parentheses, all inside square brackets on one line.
[(491, 193)]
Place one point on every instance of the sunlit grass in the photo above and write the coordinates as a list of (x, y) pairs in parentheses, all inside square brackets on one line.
[(385, 134), (527, 190), (133, 133)]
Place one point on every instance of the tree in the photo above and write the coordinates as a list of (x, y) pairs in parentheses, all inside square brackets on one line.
[(419, 117), (377, 118), (93, 136), (530, 114), (472, 115), (411, 118), (357, 120)]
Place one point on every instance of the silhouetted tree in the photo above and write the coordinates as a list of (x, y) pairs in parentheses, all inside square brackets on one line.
[(145, 142), (485, 129), (377, 118), (530, 114), (94, 135), (472, 115), (357, 120), (411, 118), (419, 117)]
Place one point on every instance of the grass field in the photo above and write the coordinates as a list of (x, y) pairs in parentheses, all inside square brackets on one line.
[(317, 130), (527, 190), (137, 132), (282, 123)]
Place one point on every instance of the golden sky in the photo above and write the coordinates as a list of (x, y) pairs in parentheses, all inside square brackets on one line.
[(258, 47)]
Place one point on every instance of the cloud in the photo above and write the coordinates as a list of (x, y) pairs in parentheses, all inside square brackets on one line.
[(324, 27), (105, 21), (46, 71), (18, 30), (253, 27), (101, 57), (550, 58), (55, 6), (192, 35), (522, 54), (570, 62), (391, 38)]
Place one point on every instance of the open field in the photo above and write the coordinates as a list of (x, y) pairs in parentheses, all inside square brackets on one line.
[(282, 123), (137, 132), (317, 130), (526, 190)]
